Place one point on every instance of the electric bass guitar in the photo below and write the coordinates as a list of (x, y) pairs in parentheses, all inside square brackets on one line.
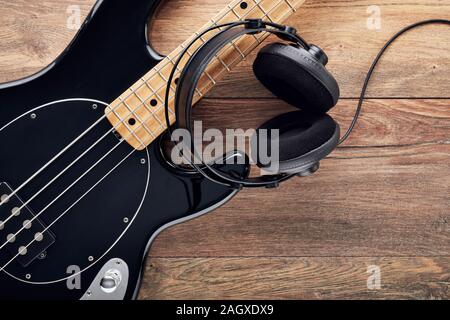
[(85, 182)]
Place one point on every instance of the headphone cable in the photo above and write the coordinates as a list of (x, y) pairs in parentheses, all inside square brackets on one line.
[(375, 63)]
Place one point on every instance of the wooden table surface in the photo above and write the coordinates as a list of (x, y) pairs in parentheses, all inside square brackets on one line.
[(381, 201)]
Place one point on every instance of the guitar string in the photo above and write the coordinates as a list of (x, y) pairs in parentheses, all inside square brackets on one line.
[(98, 141), (72, 164), (67, 210), (65, 149), (13, 236), (90, 169), (108, 132)]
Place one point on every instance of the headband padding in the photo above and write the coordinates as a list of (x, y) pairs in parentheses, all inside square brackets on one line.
[(293, 75), (300, 133)]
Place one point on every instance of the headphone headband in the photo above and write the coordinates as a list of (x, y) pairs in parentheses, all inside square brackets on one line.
[(199, 61), (190, 78)]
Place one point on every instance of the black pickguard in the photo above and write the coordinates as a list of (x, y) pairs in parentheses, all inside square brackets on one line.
[(108, 55)]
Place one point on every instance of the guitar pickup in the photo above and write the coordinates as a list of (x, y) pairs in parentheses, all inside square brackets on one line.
[(13, 217)]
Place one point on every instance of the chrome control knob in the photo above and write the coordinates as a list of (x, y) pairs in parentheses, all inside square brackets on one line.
[(111, 280)]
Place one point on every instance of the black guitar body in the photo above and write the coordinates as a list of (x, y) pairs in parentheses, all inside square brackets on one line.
[(93, 224)]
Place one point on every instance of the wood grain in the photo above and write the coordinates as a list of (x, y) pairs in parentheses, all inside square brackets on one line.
[(415, 67), (135, 103), (296, 278), (34, 34), (382, 199)]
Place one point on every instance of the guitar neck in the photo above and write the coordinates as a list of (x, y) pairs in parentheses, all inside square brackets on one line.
[(138, 114)]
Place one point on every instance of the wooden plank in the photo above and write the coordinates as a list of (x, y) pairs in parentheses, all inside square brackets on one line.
[(383, 199), (296, 278), (376, 206), (410, 69), (34, 34), (147, 120), (385, 193), (384, 122)]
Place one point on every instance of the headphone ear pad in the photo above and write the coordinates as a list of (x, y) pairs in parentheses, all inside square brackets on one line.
[(295, 76), (304, 140)]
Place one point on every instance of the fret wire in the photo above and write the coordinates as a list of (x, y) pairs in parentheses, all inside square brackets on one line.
[(215, 56), (237, 59), (158, 71), (143, 102), (152, 91), (291, 6), (223, 15), (137, 116), (237, 49), (203, 41), (200, 37), (160, 98), (257, 39), (232, 43), (133, 132), (232, 9), (210, 78), (163, 101), (190, 54), (224, 64), (266, 14), (173, 62), (178, 68), (183, 46), (155, 93), (199, 92), (251, 9), (206, 72), (170, 97), (122, 121), (161, 75)]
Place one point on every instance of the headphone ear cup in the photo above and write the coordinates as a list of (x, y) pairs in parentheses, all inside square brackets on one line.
[(304, 140), (297, 77)]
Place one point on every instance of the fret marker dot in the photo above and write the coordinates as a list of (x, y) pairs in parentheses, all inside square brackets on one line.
[(153, 102), (2, 225), (131, 121), (244, 5), (11, 238), (176, 81), (15, 211), (4, 198), (27, 224), (22, 251), (38, 237)]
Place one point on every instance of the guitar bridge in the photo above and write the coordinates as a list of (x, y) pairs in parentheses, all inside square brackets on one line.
[(29, 243)]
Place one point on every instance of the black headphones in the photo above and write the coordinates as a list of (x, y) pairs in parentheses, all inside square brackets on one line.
[(295, 73)]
